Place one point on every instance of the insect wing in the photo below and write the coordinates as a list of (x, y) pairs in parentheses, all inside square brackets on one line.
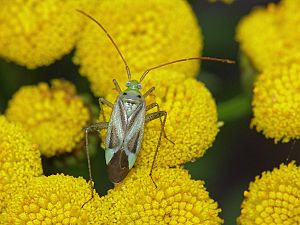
[(134, 133), (116, 130), (123, 140)]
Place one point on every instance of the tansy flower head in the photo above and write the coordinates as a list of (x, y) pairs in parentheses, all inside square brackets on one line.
[(19, 159), (54, 115), (148, 33), (56, 199), (177, 199), (273, 198), (276, 103), (191, 121), (35, 33), (271, 36)]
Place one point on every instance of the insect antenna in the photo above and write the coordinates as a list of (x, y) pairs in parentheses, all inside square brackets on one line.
[(186, 59), (110, 38)]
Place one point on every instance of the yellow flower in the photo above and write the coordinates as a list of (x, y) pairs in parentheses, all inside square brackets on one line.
[(273, 198), (19, 159), (177, 199), (192, 122), (276, 103), (36, 33), (271, 36), (148, 33), (56, 199), (54, 115)]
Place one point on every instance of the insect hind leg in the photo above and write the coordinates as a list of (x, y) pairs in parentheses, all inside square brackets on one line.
[(151, 106), (87, 130), (150, 117)]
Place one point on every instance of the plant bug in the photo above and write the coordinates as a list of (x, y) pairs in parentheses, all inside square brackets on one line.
[(129, 114)]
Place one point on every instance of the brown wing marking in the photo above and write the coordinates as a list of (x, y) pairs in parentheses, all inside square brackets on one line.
[(117, 127), (117, 168), (113, 141), (123, 115), (133, 142), (135, 130)]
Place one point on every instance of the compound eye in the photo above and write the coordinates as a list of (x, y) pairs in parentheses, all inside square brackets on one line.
[(127, 83), (139, 86)]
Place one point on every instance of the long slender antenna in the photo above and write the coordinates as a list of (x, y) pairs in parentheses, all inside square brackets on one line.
[(186, 59), (111, 39)]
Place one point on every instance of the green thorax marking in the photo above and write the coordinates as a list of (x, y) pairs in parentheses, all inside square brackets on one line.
[(134, 85), (132, 97)]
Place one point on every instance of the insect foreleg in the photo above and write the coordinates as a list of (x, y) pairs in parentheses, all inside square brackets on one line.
[(148, 118), (104, 102), (149, 92), (94, 127), (117, 86)]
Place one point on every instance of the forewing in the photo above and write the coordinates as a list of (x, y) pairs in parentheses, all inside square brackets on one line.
[(134, 132), (117, 127)]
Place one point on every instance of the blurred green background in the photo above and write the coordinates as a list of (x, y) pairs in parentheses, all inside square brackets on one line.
[(238, 154)]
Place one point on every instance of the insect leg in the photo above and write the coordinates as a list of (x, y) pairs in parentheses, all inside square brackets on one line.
[(152, 105), (117, 86), (104, 102), (149, 92), (92, 127), (148, 118)]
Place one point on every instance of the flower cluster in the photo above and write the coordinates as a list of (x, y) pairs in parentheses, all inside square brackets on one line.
[(27, 197), (177, 200), (276, 103), (36, 33), (54, 115), (57, 199), (273, 198), (151, 33), (270, 38), (19, 159)]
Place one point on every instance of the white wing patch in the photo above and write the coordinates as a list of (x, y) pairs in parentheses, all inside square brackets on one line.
[(116, 130)]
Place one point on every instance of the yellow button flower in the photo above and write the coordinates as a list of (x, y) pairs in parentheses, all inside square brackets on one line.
[(54, 115), (148, 33), (177, 199), (56, 199), (271, 36), (36, 33), (19, 159), (276, 103), (192, 122), (273, 198)]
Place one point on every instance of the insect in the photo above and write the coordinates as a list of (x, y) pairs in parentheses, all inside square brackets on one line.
[(129, 114)]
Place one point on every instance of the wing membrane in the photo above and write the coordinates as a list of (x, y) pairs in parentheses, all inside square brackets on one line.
[(135, 130), (117, 127)]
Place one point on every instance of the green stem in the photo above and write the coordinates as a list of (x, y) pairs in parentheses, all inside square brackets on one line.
[(235, 108)]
